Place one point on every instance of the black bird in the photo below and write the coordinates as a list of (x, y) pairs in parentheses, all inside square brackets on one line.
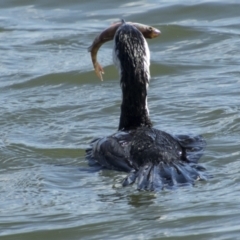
[(154, 159)]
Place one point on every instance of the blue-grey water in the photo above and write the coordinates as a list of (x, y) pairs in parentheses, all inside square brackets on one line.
[(52, 105)]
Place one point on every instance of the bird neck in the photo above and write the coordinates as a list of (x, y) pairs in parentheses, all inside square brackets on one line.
[(134, 107), (131, 56)]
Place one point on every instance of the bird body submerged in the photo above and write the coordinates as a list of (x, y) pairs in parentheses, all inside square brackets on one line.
[(153, 158)]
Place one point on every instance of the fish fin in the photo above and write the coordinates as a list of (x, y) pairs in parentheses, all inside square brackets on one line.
[(90, 48), (99, 71)]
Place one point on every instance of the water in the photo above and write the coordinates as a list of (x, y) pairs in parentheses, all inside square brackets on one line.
[(52, 105)]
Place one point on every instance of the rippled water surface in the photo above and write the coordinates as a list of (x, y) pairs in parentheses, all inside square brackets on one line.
[(52, 105)]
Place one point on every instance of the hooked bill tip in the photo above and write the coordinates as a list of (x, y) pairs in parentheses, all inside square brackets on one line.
[(157, 32)]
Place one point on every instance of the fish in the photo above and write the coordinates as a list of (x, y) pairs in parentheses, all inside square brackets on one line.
[(108, 35)]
